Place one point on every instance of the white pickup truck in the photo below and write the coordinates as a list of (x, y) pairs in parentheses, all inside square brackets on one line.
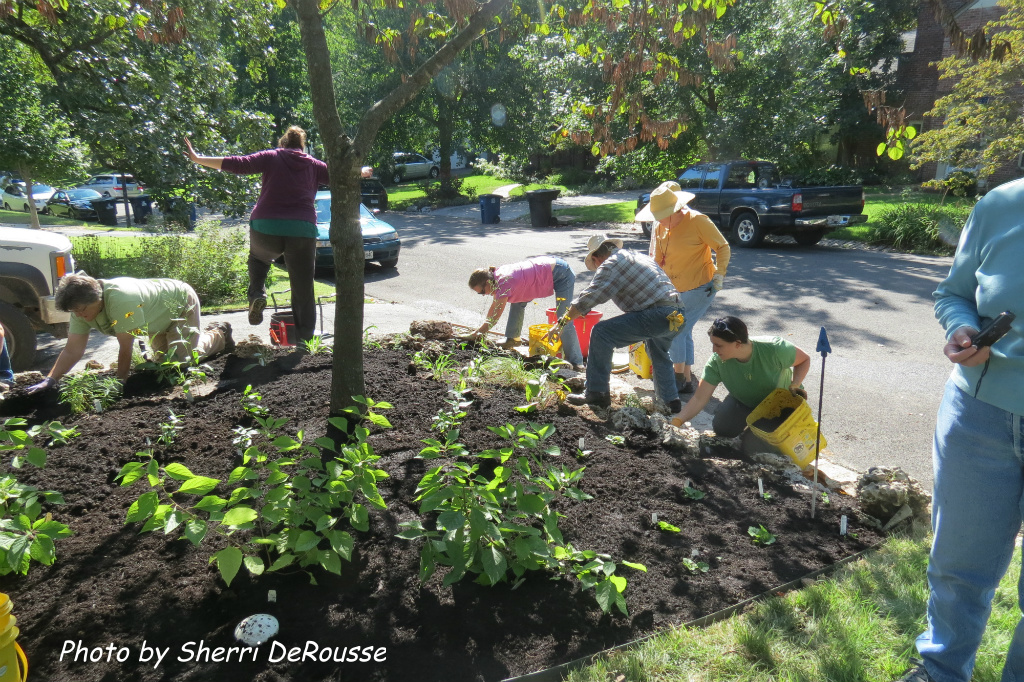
[(31, 264)]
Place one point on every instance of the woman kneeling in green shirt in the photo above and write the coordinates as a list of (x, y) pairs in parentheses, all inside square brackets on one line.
[(750, 368), (165, 310)]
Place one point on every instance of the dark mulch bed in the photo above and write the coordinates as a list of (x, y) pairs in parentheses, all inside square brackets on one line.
[(113, 586)]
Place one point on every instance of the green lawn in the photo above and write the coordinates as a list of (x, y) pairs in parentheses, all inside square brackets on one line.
[(858, 626), (22, 218), (400, 196), (619, 212)]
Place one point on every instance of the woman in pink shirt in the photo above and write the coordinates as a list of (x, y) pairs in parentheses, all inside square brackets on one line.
[(520, 283), (283, 221)]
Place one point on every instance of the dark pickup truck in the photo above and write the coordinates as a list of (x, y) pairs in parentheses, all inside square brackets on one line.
[(747, 201)]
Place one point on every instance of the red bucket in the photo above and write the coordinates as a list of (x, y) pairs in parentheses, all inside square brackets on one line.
[(282, 329), (583, 326)]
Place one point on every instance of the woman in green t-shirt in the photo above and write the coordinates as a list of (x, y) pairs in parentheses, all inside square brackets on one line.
[(750, 368)]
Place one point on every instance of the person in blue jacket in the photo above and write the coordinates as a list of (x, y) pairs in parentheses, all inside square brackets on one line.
[(979, 443)]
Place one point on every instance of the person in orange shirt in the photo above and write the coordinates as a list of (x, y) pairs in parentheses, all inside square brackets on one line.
[(682, 243)]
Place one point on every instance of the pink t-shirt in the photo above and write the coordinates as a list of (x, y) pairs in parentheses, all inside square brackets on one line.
[(525, 281)]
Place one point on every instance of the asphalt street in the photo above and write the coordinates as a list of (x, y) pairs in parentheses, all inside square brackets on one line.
[(882, 382)]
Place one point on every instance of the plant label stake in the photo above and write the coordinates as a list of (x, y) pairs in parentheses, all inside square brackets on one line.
[(842, 525), (760, 487), (824, 348)]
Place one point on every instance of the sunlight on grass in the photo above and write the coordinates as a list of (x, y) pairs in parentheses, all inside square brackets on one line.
[(401, 195), (859, 625), (22, 218), (507, 371), (619, 212)]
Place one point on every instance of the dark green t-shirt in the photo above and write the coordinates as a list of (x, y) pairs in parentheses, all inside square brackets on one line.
[(770, 366)]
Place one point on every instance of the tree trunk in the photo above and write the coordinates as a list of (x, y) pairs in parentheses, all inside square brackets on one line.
[(345, 157), (445, 131), (33, 214), (346, 232)]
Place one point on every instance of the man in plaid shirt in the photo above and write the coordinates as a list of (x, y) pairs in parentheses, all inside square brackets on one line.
[(651, 313)]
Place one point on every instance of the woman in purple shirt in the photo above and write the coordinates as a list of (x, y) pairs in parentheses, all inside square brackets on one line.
[(520, 283), (283, 221)]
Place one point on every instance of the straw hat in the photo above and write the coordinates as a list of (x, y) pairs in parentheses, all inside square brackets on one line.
[(593, 244), (665, 201)]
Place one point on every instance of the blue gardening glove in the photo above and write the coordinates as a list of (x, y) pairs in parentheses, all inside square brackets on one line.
[(717, 282), (41, 386)]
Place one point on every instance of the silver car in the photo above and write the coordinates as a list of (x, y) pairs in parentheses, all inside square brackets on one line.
[(409, 166), (112, 185)]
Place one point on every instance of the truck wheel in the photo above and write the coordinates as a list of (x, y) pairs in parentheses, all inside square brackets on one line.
[(20, 337), (389, 263), (646, 227), (746, 230), (809, 238)]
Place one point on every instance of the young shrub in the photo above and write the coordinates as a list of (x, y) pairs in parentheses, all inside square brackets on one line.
[(283, 490), (83, 391)]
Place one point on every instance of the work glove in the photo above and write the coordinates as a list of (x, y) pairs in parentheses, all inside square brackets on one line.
[(717, 282), (46, 383), (798, 392)]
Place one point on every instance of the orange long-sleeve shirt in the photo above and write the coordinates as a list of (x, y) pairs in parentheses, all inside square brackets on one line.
[(682, 245)]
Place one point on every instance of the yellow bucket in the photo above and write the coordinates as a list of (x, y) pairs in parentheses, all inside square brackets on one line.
[(13, 664), (796, 436), (539, 345), (640, 362)]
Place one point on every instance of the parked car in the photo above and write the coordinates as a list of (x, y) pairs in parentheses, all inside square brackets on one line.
[(74, 203), (380, 240), (9, 178), (112, 185), (747, 201), (15, 196), (409, 166), (31, 264), (374, 196)]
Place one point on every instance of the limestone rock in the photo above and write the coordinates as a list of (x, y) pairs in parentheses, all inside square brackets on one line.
[(883, 491), (94, 364), (251, 347), (432, 329), (631, 418), (680, 438)]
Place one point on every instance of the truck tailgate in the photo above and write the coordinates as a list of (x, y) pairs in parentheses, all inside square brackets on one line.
[(823, 201)]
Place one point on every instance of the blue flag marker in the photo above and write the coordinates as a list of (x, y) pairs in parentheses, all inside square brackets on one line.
[(823, 345)]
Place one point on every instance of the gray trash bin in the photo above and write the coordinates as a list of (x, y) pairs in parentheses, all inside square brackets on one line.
[(540, 206)]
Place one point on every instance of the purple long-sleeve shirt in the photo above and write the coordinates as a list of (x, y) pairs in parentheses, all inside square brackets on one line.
[(290, 181)]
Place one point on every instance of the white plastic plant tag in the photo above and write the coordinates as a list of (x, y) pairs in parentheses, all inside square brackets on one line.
[(581, 443), (760, 487), (97, 406), (272, 596), (256, 629), (842, 524), (654, 517), (686, 483)]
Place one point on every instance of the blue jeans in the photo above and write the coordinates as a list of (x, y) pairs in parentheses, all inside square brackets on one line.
[(6, 372), (696, 301), (976, 513), (564, 282), (650, 326)]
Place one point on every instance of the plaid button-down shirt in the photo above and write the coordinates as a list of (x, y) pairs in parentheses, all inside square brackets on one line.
[(633, 281)]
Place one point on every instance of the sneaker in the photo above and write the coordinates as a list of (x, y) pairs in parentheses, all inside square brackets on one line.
[(225, 329), (256, 307), (916, 672), (590, 398), (509, 344), (675, 406)]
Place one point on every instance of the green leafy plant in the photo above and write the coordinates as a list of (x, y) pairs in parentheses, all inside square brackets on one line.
[(318, 346), (761, 535), (695, 566), (263, 356), (252, 402), (501, 525), (615, 439), (668, 527), (83, 391), (825, 498), (580, 452), (169, 430), (281, 506), (27, 534), (533, 391), (766, 496), (692, 493)]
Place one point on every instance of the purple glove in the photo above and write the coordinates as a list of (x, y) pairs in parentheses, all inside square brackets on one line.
[(46, 383)]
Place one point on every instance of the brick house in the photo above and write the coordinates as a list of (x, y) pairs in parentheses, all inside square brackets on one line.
[(918, 81)]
